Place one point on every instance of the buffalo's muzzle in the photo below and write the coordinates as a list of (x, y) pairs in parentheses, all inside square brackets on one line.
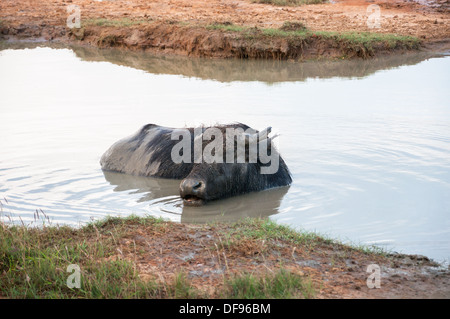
[(192, 191)]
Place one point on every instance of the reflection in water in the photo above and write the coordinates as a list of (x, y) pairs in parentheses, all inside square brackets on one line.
[(151, 188), (235, 69), (162, 191), (247, 70), (258, 204)]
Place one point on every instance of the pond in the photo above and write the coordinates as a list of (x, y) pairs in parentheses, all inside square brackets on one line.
[(367, 142)]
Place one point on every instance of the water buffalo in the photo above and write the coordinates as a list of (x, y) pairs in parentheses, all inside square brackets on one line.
[(212, 162)]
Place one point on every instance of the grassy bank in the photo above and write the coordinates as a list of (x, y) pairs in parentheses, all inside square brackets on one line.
[(113, 254), (146, 257), (363, 44), (293, 30), (293, 40)]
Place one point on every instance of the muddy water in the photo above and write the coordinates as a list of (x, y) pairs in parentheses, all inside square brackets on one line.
[(367, 142)]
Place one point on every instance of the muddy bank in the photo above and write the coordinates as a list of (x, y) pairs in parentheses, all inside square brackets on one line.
[(209, 252), (250, 43), (204, 41), (159, 256), (242, 29)]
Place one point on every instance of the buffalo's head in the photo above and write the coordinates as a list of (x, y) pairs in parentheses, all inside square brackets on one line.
[(248, 162)]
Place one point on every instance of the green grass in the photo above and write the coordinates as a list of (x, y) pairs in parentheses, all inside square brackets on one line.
[(226, 27), (254, 32), (293, 26), (182, 288), (266, 229), (304, 32), (34, 260), (370, 38), (124, 22), (290, 2), (280, 285), (363, 43)]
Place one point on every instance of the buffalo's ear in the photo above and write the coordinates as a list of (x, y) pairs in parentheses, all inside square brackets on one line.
[(254, 141), (262, 135)]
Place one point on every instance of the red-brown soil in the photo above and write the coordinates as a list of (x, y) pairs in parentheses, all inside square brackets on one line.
[(177, 26), (206, 254)]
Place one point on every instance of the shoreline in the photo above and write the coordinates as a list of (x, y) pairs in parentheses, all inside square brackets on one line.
[(158, 259), (221, 42), (227, 41), (243, 30)]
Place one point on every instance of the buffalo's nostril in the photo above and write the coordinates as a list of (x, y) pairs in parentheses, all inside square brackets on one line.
[(197, 185)]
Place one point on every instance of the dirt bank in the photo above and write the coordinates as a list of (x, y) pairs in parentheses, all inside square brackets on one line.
[(207, 253), (246, 29), (173, 260)]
